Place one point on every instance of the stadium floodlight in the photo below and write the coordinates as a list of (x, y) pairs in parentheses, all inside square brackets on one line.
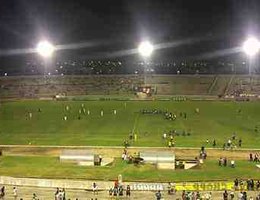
[(45, 49), (251, 46), (145, 48)]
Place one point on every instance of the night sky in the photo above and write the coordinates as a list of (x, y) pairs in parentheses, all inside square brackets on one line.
[(112, 25)]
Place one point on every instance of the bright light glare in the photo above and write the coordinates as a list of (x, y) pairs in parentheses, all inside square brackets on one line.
[(45, 49), (251, 46), (145, 49)]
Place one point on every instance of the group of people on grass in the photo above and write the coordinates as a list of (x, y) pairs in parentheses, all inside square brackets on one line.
[(232, 143), (224, 162), (167, 115), (131, 159), (169, 138)]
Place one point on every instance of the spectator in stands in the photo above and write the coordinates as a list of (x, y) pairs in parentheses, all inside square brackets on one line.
[(128, 191), (240, 196), (171, 188), (116, 184), (115, 191), (94, 188), (2, 194), (110, 192), (60, 195), (56, 195), (63, 194), (236, 183), (183, 195), (198, 195), (232, 195), (120, 190), (35, 197), (208, 196), (245, 195), (250, 184), (15, 192), (225, 195), (258, 185), (158, 195)]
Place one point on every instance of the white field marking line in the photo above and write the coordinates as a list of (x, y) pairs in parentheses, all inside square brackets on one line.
[(135, 123)]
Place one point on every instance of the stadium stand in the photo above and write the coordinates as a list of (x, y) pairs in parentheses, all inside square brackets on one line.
[(248, 85), (49, 86)]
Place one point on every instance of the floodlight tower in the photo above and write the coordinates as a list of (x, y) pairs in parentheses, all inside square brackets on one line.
[(45, 49), (145, 49), (251, 47)]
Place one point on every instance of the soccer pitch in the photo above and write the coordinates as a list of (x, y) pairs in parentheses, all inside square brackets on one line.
[(85, 124)]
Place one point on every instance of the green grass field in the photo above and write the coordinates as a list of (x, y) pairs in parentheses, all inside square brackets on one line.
[(216, 120), (50, 167)]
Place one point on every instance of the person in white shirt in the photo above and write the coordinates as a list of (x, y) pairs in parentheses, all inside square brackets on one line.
[(15, 192)]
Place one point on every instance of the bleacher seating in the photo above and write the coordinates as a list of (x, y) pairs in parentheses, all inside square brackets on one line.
[(40, 86)]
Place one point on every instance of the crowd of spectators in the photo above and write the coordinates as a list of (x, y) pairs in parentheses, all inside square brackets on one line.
[(119, 190), (250, 185), (242, 191), (60, 194)]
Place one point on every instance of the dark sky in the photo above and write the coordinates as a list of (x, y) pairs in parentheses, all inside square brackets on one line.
[(113, 25)]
